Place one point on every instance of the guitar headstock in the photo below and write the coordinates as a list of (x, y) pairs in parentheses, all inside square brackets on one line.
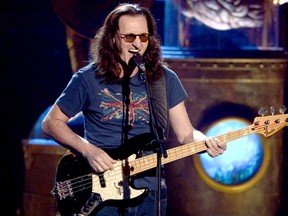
[(269, 125)]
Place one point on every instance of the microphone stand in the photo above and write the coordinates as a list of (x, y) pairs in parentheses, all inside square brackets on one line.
[(158, 132), (127, 71)]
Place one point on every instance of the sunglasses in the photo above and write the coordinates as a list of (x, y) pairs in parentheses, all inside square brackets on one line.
[(131, 37)]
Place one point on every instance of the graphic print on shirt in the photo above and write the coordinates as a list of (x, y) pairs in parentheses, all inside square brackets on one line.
[(112, 106)]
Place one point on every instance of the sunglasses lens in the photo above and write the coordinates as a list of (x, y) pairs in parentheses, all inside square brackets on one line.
[(143, 37), (130, 38)]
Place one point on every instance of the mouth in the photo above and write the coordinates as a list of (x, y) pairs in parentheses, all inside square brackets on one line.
[(133, 51)]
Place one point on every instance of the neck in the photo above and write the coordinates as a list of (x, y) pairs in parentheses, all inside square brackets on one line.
[(128, 70)]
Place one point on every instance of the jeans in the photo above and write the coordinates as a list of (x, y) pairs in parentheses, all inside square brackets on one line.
[(146, 208)]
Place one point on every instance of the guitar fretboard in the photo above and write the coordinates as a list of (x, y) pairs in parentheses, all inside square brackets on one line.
[(148, 162)]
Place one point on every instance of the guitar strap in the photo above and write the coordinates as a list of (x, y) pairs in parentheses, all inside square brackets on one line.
[(159, 105)]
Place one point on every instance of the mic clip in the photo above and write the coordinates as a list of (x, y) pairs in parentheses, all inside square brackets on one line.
[(140, 64)]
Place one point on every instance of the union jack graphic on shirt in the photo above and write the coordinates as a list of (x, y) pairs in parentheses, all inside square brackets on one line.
[(113, 108)]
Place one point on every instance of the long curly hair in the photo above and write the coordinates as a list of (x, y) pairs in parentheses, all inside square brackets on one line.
[(105, 54)]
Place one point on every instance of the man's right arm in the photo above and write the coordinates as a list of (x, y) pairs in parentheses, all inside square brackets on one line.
[(55, 126)]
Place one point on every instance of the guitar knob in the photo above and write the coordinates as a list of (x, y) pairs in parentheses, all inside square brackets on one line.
[(90, 203), (93, 201), (86, 209)]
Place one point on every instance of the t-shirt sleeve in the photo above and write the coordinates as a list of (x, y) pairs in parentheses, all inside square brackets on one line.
[(176, 90), (72, 99)]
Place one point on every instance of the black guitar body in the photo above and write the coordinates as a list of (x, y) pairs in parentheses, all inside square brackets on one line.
[(77, 195), (71, 168), (73, 188)]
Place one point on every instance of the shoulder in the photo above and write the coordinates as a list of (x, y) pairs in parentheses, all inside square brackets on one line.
[(87, 72), (168, 70), (169, 73)]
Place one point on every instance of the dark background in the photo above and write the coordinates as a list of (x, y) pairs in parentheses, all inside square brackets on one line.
[(35, 68)]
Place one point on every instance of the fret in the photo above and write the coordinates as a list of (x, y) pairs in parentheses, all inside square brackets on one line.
[(260, 126)]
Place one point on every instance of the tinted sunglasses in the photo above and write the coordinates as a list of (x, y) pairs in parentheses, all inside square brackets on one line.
[(131, 37)]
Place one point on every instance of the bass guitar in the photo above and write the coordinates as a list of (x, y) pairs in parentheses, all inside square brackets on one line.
[(80, 191)]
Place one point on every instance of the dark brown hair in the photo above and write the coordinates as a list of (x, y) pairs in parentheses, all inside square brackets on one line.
[(105, 54)]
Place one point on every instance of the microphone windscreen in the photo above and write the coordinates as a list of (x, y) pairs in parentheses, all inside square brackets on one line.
[(139, 61)]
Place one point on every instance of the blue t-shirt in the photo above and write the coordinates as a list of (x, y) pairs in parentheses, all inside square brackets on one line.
[(102, 105)]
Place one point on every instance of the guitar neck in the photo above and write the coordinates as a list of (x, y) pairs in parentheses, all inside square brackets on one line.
[(148, 162)]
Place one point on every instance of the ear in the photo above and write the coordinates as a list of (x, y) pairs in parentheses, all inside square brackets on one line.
[(113, 40)]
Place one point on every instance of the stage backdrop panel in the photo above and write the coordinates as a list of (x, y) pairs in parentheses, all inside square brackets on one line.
[(220, 88)]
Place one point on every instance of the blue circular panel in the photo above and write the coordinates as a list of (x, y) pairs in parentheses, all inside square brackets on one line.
[(242, 159)]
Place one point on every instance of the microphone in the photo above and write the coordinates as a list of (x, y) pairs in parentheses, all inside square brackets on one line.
[(139, 62)]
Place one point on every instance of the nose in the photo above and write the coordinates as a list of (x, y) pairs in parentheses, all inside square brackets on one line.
[(137, 42)]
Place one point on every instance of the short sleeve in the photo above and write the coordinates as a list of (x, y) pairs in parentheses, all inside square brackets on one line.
[(176, 91), (72, 99)]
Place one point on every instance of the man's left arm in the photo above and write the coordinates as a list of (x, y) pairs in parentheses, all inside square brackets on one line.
[(185, 132)]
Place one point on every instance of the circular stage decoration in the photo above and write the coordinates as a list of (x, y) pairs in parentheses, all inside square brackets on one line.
[(242, 164)]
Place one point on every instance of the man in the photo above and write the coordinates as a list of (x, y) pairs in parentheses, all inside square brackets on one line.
[(111, 93)]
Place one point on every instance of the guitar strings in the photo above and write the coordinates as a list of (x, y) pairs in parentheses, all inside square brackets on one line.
[(136, 166), (84, 182)]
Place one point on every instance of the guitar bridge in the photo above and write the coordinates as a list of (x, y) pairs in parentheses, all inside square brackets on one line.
[(62, 190)]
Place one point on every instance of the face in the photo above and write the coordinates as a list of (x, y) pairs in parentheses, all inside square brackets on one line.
[(136, 25)]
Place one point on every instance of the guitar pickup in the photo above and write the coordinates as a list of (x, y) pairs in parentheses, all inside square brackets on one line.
[(102, 180)]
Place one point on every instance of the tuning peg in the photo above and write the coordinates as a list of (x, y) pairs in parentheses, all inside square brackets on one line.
[(272, 110), (282, 109), (262, 111)]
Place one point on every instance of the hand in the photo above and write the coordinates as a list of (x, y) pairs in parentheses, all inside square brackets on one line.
[(98, 159), (215, 147)]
